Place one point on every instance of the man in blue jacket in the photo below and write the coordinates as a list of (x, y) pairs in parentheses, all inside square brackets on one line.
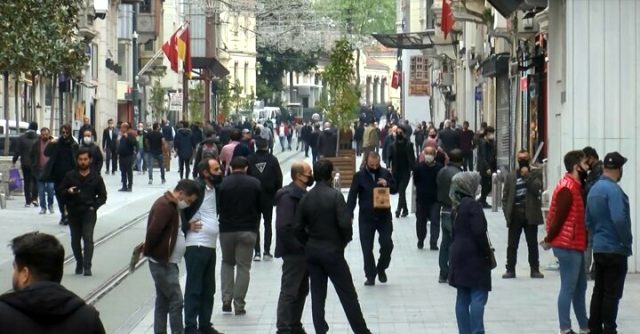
[(371, 220), (609, 222)]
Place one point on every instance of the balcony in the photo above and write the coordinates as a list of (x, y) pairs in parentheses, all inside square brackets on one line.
[(85, 23), (146, 27)]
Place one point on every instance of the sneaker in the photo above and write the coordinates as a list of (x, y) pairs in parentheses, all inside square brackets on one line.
[(420, 244), (79, 269), (51, 211), (267, 256), (536, 274), (442, 279), (241, 312), (150, 181), (370, 282), (226, 306), (28, 205), (257, 257), (509, 275), (34, 203), (209, 330), (63, 222), (164, 181), (43, 211)]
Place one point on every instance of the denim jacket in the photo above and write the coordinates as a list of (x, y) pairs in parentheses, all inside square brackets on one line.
[(608, 218)]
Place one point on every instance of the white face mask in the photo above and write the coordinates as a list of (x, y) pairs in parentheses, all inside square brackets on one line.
[(182, 204), (87, 140), (429, 158)]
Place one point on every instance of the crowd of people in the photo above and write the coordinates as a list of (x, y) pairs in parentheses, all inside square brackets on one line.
[(237, 182)]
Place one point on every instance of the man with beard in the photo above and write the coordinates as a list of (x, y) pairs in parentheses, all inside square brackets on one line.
[(39, 162), (84, 193), (402, 160), (96, 156), (61, 153), (294, 286), (37, 273)]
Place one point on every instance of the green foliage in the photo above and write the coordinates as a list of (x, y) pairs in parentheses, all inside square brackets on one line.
[(41, 37), (339, 76), (156, 101), (273, 65), (196, 95), (361, 17), (223, 96)]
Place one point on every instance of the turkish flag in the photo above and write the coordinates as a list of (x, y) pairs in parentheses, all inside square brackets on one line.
[(396, 80), (447, 21), (184, 51), (170, 50)]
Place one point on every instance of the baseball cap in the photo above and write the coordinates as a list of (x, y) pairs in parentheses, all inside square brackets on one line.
[(246, 131), (614, 160)]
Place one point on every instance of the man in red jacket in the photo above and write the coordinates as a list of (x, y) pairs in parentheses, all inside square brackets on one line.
[(165, 246)]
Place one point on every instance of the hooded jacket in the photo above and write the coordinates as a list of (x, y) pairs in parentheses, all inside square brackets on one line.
[(47, 307), (24, 147), (287, 242), (184, 143), (266, 168)]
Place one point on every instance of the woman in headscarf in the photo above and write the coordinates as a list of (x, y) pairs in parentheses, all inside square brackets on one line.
[(470, 259)]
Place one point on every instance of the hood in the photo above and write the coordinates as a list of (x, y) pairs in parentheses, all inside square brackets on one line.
[(45, 303), (184, 131), (31, 134), (464, 184)]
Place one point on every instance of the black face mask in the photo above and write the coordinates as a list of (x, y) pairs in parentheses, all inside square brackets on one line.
[(215, 179), (583, 173), (373, 170), (523, 163), (400, 136), (310, 181)]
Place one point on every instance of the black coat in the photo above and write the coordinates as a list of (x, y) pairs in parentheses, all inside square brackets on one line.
[(362, 190), (469, 261), (486, 157), (287, 200), (266, 168), (61, 159), (110, 142), (327, 143), (239, 198), (97, 159), (450, 139), (47, 308), (402, 157), (93, 192), (24, 147), (425, 180), (184, 143)]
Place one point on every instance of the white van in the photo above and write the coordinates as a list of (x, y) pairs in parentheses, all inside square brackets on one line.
[(24, 126)]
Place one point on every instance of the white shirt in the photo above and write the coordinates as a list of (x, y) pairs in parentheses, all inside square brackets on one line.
[(281, 131), (180, 248), (208, 216)]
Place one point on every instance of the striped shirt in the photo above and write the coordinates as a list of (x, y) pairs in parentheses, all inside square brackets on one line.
[(521, 190)]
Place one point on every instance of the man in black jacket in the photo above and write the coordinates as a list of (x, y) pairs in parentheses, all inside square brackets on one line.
[(328, 141), (239, 198), (23, 151), (127, 145), (84, 193), (314, 139), (266, 168), (86, 125), (305, 133), (449, 137), (371, 220), (96, 155), (443, 181), (487, 163), (294, 286), (427, 206), (402, 160), (109, 145), (325, 229), (38, 303), (61, 153)]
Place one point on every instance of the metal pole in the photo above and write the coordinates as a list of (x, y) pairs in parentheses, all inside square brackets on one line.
[(5, 96), (494, 191), (134, 88)]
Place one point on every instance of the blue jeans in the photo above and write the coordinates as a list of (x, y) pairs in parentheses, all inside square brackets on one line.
[(445, 243), (45, 188), (573, 287), (140, 163), (470, 310), (150, 159)]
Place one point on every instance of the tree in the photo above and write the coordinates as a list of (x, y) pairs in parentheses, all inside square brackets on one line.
[(157, 101), (222, 90), (195, 103)]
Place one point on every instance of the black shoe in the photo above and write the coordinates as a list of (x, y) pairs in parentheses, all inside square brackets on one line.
[(192, 330), (382, 276), (509, 274), (370, 282), (87, 272), (404, 213), (397, 214), (241, 312), (79, 269), (113, 173), (209, 330), (64, 221), (129, 190), (535, 273), (442, 279), (434, 247), (122, 189), (226, 306), (420, 244)]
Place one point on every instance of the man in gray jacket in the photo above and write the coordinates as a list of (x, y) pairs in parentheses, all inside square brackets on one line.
[(443, 180), (522, 207)]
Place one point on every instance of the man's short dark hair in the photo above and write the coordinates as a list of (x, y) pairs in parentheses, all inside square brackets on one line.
[(490, 129), (465, 123), (372, 154), (83, 150), (33, 126), (323, 170), (238, 163), (66, 127), (155, 126), (202, 166), (235, 134), (262, 144), (590, 152), (40, 252), (572, 158), (188, 187), (455, 156)]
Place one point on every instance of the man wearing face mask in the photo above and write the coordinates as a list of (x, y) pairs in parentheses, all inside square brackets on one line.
[(428, 208), (165, 246), (200, 224), (522, 208), (609, 222), (61, 153), (96, 155), (487, 163), (294, 286), (402, 160), (370, 220)]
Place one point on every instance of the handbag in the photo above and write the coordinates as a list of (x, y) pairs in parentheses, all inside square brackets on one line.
[(15, 182), (492, 254), (381, 198)]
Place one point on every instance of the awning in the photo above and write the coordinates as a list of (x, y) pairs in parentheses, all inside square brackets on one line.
[(506, 7), (413, 40), (210, 63), (495, 65)]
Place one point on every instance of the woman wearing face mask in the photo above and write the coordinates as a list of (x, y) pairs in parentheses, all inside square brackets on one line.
[(96, 154)]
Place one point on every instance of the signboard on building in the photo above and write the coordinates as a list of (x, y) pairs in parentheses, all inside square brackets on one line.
[(419, 83), (175, 101)]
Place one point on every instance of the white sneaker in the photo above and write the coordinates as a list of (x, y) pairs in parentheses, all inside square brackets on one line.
[(257, 257)]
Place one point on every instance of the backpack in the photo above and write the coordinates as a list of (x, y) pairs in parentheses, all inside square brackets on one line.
[(209, 151)]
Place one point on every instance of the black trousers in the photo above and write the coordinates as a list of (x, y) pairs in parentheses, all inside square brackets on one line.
[(112, 157), (126, 171), (518, 224), (467, 162), (30, 185), (445, 244), (184, 166), (267, 215), (81, 225), (485, 183), (294, 288), (428, 212), (306, 148), (59, 199), (610, 272), (368, 231), (314, 154), (326, 264), (402, 180), (358, 147), (418, 149), (200, 287)]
